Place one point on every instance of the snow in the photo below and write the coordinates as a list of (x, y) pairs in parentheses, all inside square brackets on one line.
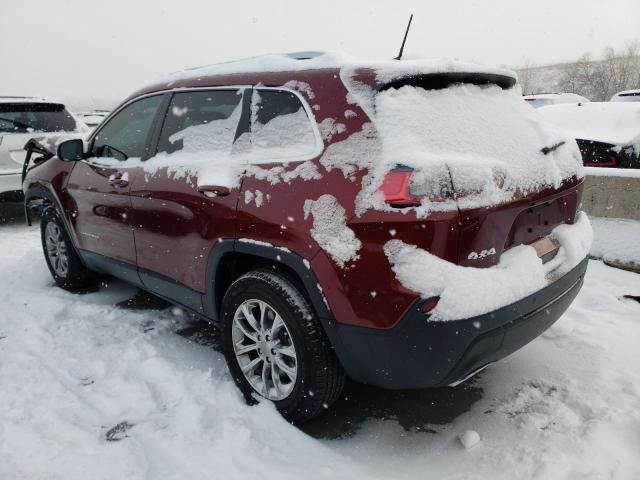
[(74, 366), (608, 122), (616, 240), (286, 136), (469, 439), (303, 87), (518, 274), (329, 127), (255, 242), (330, 229), (446, 138), (277, 174), (386, 70)]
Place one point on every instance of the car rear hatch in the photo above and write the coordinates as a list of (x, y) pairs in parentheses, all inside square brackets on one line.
[(469, 142), (21, 121)]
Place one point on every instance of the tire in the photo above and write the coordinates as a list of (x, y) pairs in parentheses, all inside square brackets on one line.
[(319, 377), (63, 261)]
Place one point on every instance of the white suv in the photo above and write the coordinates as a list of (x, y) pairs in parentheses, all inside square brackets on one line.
[(22, 118), (626, 96)]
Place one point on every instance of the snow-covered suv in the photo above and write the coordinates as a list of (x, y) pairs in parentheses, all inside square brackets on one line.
[(401, 223), (22, 118)]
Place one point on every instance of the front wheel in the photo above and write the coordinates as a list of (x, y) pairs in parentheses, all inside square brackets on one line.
[(276, 348), (63, 261)]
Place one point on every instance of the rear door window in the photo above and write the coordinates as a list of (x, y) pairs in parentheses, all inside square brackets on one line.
[(201, 121), (35, 117), (280, 127), (126, 135)]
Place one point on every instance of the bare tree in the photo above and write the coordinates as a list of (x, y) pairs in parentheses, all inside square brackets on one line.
[(528, 76), (600, 79)]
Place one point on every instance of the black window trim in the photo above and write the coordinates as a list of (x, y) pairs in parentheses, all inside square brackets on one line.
[(247, 92), (154, 124)]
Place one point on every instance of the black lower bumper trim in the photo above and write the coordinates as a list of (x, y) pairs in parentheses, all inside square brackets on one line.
[(418, 353)]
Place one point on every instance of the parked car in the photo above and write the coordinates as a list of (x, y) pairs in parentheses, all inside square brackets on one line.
[(336, 218), (22, 118), (543, 99), (608, 134), (627, 96), (93, 118)]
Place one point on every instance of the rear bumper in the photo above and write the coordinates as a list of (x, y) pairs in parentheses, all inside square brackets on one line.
[(420, 354), (11, 187)]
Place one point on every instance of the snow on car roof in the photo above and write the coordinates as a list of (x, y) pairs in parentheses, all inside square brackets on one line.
[(386, 70), (614, 123), (18, 99)]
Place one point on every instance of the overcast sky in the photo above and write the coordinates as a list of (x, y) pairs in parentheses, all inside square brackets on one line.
[(85, 51)]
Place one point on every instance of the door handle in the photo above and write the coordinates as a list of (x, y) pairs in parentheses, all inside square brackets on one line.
[(213, 190), (118, 180)]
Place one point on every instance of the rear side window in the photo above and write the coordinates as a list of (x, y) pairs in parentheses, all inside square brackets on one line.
[(626, 97), (127, 132), (35, 117), (280, 126), (201, 121)]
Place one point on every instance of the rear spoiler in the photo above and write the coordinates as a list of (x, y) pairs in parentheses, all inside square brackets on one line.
[(438, 81)]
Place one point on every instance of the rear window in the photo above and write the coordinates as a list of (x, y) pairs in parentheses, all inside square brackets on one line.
[(201, 121), (481, 140), (280, 127), (35, 117), (627, 97)]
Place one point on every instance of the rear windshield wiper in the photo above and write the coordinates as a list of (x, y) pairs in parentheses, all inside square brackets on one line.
[(548, 150)]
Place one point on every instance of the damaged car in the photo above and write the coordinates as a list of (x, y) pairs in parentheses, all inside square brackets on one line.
[(403, 223)]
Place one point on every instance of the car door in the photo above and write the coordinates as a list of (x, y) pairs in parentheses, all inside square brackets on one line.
[(177, 218), (99, 185)]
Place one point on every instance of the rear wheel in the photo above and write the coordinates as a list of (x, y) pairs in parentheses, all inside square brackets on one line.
[(63, 261), (276, 348)]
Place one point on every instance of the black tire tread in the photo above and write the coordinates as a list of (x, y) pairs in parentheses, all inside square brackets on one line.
[(79, 275)]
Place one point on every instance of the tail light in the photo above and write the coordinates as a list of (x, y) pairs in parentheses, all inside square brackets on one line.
[(396, 189)]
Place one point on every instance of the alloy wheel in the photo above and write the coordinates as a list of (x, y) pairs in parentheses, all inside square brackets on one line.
[(264, 349), (57, 249)]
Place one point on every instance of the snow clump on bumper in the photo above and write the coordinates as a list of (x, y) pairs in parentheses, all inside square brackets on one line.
[(519, 273)]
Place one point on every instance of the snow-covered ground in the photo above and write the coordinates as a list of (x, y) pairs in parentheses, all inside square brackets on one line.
[(91, 386), (616, 241)]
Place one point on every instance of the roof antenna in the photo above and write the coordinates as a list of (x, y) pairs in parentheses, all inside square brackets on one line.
[(404, 39)]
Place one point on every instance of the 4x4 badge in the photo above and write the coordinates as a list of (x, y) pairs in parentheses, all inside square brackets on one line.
[(482, 254)]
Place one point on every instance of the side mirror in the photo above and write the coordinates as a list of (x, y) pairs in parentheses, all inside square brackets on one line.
[(71, 150)]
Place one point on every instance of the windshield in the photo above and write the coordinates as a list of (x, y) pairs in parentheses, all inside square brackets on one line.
[(35, 117)]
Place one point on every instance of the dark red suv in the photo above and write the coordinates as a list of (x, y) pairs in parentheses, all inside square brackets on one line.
[(403, 223)]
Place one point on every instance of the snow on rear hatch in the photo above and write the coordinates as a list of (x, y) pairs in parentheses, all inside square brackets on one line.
[(477, 148), (481, 142)]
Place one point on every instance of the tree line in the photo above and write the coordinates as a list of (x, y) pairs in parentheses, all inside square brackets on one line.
[(596, 79)]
